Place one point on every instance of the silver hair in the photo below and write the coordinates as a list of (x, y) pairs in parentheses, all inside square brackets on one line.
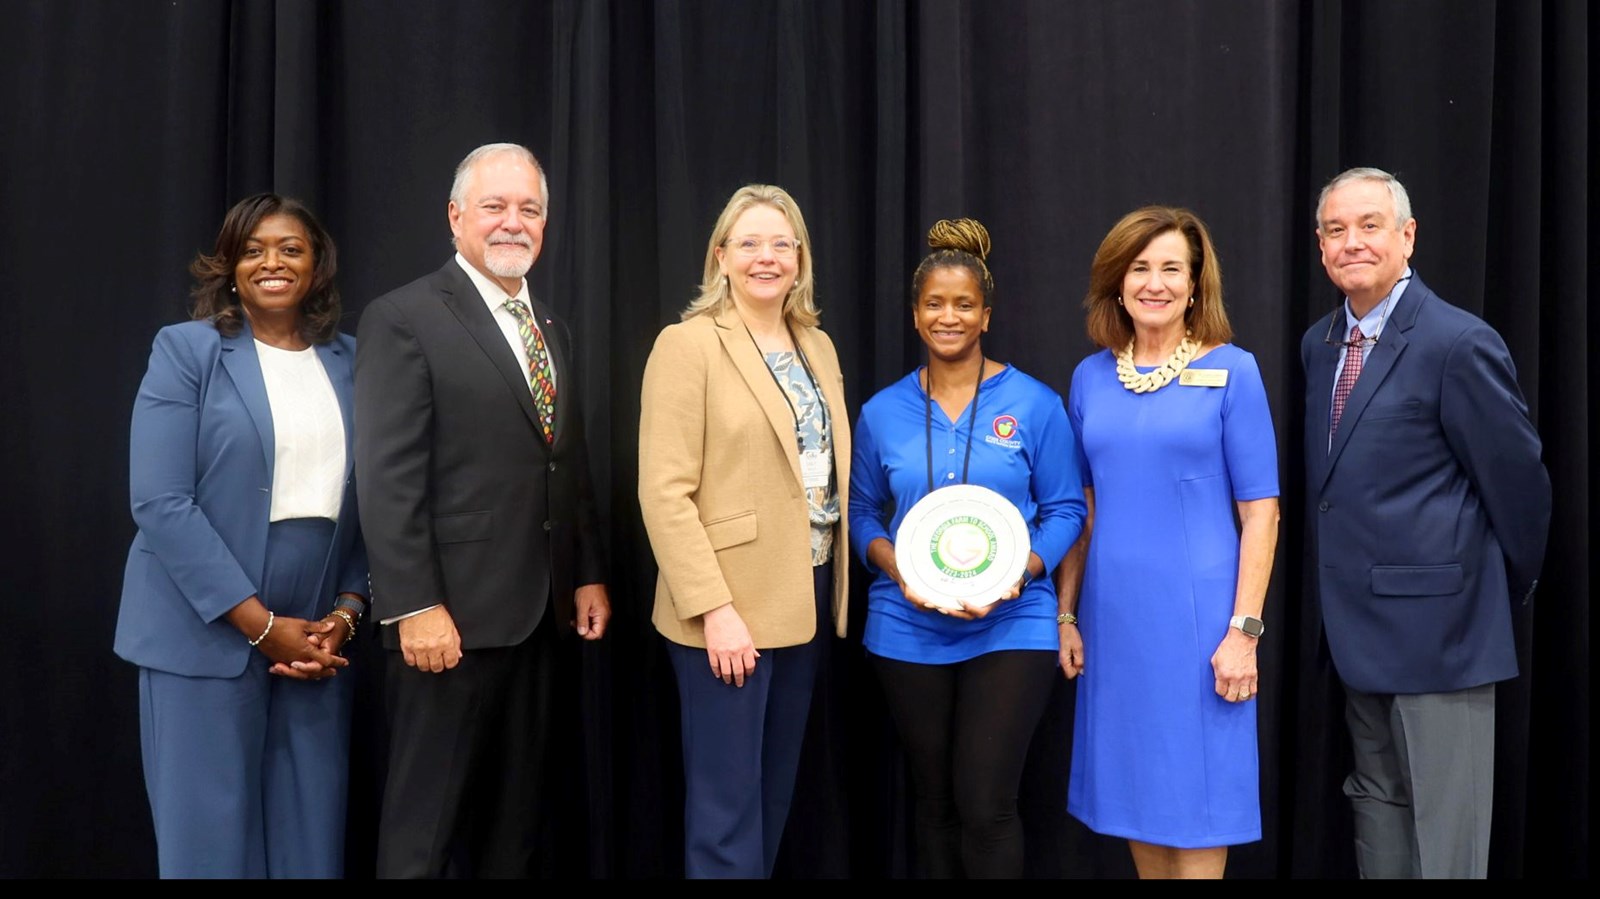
[(1397, 192), (458, 187)]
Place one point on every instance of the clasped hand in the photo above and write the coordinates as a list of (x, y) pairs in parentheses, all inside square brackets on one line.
[(305, 650)]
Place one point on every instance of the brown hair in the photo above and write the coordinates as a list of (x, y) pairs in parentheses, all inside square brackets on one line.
[(213, 292), (1108, 323), (957, 243)]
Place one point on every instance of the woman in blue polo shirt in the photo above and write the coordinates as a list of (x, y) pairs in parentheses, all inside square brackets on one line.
[(966, 686)]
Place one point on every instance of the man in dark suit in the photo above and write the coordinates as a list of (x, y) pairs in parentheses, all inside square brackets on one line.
[(473, 480), (1428, 508)]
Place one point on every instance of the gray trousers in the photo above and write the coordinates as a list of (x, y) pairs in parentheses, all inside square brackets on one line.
[(1423, 785)]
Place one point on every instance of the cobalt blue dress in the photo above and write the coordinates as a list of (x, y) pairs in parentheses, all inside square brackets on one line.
[(1157, 755)]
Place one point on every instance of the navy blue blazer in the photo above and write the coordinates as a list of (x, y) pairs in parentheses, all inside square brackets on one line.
[(1427, 516), (200, 477)]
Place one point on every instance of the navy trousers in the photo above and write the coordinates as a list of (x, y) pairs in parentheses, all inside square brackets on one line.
[(741, 749)]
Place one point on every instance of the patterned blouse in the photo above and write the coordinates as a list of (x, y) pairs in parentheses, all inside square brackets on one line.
[(816, 434)]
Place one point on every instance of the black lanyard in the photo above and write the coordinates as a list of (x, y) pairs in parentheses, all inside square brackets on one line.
[(805, 364), (927, 422)]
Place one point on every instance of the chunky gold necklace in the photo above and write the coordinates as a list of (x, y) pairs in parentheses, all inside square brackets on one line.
[(1163, 375)]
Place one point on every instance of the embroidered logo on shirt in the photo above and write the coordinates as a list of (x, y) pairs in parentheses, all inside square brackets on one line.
[(1005, 432)]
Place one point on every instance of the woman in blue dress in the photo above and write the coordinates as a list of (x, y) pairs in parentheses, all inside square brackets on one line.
[(1176, 439), (966, 686)]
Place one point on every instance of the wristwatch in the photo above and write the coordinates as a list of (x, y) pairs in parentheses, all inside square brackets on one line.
[(1250, 627)]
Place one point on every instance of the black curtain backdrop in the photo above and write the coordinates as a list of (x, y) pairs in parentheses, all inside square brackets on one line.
[(131, 125)]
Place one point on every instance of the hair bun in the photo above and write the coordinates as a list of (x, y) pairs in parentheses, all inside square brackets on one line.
[(967, 235)]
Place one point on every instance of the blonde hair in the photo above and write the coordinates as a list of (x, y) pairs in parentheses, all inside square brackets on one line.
[(1109, 324), (716, 297), (957, 243)]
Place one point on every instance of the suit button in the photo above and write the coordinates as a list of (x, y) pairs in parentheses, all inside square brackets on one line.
[(547, 525), (552, 466), (1322, 506)]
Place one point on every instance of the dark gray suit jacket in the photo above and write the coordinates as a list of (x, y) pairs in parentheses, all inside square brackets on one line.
[(462, 501)]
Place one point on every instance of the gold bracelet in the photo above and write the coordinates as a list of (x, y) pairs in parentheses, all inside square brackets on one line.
[(348, 621), (1066, 618)]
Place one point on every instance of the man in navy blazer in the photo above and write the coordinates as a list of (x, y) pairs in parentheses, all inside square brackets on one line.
[(1428, 509), (482, 530)]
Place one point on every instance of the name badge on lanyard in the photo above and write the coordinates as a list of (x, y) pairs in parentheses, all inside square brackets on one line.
[(816, 467)]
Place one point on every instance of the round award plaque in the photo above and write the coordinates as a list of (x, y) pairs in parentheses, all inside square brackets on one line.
[(962, 543)]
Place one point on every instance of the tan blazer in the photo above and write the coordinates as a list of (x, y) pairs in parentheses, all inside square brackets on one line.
[(720, 486)]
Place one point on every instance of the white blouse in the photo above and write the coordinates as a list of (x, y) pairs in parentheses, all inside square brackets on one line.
[(308, 433)]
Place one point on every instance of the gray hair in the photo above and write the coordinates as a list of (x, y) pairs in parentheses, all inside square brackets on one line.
[(1397, 192), (458, 187)]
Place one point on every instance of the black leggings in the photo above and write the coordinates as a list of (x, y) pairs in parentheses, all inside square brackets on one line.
[(966, 728)]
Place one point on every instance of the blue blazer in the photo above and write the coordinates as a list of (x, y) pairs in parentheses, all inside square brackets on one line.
[(1428, 513), (200, 477)]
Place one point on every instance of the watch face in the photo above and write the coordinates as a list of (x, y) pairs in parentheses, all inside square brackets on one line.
[(1252, 627)]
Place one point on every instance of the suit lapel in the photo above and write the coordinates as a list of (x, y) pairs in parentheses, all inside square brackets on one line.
[(1319, 391), (244, 367), (1392, 342), (337, 364), (736, 341), (464, 301)]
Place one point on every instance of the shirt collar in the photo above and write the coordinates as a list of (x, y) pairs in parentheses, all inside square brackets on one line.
[(1378, 316)]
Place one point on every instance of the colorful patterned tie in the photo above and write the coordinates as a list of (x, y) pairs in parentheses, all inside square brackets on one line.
[(540, 375), (1347, 377)]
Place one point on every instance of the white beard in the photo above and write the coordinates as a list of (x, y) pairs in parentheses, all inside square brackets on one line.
[(508, 260)]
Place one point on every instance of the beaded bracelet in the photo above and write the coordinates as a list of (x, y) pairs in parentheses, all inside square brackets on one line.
[(1066, 618), (271, 617)]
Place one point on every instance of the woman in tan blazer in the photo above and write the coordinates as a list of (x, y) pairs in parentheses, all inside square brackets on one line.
[(744, 457)]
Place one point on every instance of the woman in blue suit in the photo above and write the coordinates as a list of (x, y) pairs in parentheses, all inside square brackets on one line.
[(247, 574)]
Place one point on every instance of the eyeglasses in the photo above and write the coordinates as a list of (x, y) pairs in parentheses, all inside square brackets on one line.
[(1366, 342), (750, 246)]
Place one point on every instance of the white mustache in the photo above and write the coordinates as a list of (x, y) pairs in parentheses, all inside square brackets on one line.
[(521, 240)]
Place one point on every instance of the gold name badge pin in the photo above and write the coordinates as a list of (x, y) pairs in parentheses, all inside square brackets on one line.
[(1203, 377)]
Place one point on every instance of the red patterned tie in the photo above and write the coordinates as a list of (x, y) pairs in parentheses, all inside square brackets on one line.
[(1347, 377), (540, 375)]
